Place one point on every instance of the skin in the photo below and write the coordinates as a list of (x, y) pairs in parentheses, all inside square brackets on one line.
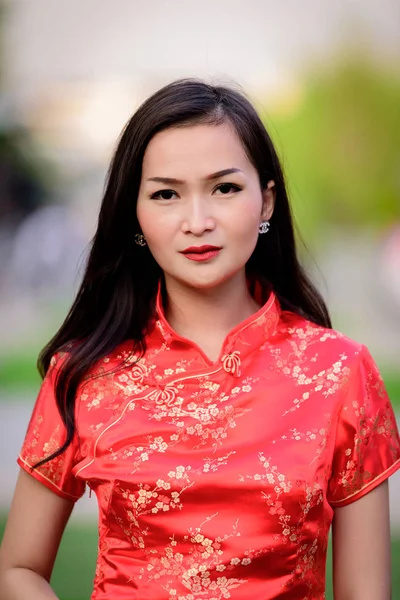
[(35, 525), (361, 548), (205, 300), (211, 296)]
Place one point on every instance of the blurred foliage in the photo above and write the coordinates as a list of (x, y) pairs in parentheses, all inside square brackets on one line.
[(27, 178), (19, 147), (23, 180), (340, 147)]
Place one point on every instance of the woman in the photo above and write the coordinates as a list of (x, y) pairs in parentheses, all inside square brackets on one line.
[(196, 386)]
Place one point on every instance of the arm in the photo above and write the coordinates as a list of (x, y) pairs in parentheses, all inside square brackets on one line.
[(361, 548), (33, 533)]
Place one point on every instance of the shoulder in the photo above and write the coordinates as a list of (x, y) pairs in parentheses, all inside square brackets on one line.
[(321, 345), (119, 356), (57, 361), (98, 383), (106, 384)]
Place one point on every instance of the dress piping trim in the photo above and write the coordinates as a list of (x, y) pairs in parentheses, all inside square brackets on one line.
[(162, 324), (126, 406), (38, 474), (371, 484)]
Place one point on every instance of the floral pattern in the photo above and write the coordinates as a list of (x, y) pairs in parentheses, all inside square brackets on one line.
[(219, 480)]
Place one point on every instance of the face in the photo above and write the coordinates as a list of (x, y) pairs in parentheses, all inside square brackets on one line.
[(200, 204)]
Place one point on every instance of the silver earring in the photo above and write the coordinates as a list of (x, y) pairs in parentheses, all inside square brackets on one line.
[(140, 240), (264, 227)]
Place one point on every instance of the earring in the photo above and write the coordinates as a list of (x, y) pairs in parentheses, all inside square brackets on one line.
[(264, 227), (140, 240)]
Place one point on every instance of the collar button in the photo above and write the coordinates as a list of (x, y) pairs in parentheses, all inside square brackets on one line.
[(232, 363)]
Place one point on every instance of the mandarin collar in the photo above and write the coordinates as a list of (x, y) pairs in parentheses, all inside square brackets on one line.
[(243, 339)]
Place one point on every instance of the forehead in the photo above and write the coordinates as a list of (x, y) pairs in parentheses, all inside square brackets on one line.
[(200, 149)]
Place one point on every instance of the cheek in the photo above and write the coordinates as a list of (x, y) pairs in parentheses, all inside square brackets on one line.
[(253, 204), (246, 220), (159, 229), (150, 222)]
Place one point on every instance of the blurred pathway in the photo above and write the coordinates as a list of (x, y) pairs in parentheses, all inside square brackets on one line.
[(14, 417)]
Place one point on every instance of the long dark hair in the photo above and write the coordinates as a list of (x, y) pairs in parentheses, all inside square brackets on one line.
[(115, 302)]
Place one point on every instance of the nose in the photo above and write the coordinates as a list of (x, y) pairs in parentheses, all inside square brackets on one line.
[(198, 216)]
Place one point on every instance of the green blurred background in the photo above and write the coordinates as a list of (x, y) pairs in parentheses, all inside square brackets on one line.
[(326, 80)]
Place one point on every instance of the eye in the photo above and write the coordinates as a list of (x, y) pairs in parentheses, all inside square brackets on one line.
[(227, 188), (163, 195)]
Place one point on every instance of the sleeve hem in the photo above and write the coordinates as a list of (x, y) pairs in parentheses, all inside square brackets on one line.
[(368, 487), (45, 481)]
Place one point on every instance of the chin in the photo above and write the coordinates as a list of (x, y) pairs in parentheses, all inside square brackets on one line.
[(207, 282)]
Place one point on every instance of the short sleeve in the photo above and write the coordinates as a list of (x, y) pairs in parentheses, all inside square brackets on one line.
[(367, 446), (46, 433)]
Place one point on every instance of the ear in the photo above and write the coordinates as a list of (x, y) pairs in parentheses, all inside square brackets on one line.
[(268, 197)]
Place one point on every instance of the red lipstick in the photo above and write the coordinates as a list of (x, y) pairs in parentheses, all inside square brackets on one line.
[(201, 253)]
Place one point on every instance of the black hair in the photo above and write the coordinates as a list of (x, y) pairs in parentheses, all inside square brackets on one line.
[(115, 302)]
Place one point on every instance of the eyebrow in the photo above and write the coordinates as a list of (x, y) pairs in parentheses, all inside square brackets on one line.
[(217, 175)]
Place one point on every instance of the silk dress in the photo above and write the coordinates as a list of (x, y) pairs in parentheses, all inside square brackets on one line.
[(219, 480)]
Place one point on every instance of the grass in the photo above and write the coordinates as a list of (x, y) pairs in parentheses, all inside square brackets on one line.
[(74, 569), (18, 375), (73, 573)]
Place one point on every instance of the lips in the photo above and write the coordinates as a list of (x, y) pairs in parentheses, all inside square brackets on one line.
[(200, 249), (201, 253)]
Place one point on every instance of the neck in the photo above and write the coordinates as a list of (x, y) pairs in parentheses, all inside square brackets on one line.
[(194, 312)]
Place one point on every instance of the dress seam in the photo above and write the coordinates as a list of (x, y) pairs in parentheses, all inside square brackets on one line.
[(102, 536), (336, 423), (372, 483), (38, 473)]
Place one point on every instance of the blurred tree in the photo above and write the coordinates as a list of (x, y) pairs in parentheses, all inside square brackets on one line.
[(341, 148), (25, 176), (27, 179), (22, 186)]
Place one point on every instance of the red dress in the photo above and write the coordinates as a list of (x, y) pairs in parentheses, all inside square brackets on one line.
[(218, 479)]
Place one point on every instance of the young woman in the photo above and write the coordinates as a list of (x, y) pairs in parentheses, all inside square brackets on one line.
[(197, 387)]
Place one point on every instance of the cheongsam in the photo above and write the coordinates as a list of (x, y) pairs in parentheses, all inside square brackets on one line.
[(219, 479)]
